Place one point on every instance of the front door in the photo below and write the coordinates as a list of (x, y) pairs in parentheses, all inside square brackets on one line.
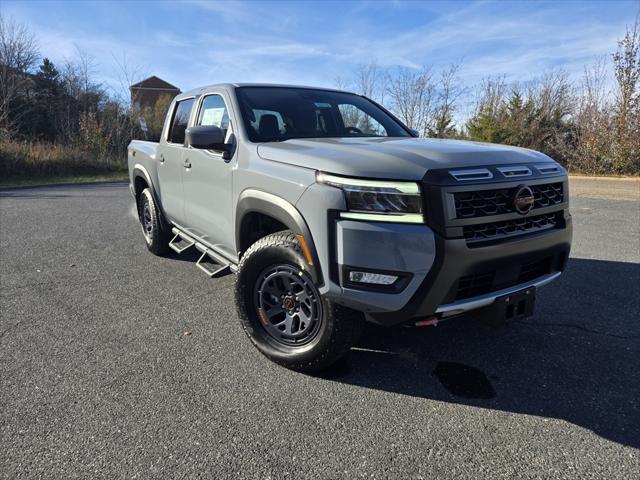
[(208, 181), (170, 163)]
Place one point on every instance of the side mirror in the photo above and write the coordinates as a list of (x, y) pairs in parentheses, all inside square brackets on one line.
[(414, 132), (205, 137)]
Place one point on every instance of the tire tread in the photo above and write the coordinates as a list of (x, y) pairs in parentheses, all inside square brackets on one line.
[(347, 323)]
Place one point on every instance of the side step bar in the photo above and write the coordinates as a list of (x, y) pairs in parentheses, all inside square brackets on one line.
[(179, 244), (210, 262)]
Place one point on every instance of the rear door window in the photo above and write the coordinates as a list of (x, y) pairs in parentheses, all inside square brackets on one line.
[(180, 121)]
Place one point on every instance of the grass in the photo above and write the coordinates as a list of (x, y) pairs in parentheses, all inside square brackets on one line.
[(22, 181), (40, 163)]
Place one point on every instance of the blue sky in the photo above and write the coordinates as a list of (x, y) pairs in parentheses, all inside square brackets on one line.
[(194, 43)]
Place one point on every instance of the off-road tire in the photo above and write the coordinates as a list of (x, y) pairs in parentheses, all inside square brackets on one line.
[(154, 230), (338, 327)]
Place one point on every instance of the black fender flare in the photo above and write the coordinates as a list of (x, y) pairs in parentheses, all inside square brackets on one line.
[(257, 201)]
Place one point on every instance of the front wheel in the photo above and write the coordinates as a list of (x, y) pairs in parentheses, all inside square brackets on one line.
[(282, 311)]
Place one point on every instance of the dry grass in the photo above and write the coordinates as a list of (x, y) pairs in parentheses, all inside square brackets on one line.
[(35, 160)]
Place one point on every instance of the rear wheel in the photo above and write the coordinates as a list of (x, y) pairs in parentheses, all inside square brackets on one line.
[(156, 234), (282, 311)]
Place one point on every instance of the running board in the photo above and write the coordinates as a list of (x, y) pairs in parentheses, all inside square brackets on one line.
[(179, 244), (210, 262)]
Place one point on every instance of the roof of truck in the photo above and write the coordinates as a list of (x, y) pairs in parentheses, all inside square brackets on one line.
[(278, 85)]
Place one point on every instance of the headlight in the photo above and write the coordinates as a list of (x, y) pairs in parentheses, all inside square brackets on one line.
[(378, 200)]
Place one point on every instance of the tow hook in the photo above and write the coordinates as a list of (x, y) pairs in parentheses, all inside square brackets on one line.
[(429, 321)]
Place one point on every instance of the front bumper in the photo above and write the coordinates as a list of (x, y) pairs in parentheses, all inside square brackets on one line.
[(463, 306), (435, 290)]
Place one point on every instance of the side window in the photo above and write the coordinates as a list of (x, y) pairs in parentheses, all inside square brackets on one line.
[(180, 121), (214, 113), (353, 117)]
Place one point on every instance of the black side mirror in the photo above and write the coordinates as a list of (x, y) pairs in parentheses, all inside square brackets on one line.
[(205, 137)]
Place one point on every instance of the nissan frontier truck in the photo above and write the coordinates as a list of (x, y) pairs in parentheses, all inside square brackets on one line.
[(331, 213)]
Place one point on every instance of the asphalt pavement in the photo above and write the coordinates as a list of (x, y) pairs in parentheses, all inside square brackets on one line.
[(118, 364)]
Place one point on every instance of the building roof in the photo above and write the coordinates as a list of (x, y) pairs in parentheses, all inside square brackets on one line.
[(153, 83)]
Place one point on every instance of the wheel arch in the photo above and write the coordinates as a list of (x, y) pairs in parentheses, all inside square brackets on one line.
[(140, 175), (253, 201), (142, 180)]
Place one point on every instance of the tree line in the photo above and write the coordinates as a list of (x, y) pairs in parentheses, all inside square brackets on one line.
[(591, 126), (58, 118)]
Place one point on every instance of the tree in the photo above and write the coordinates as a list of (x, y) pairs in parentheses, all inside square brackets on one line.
[(593, 121), (538, 117), (43, 120), (626, 63), (411, 95), (486, 123), (18, 55), (449, 91), (367, 82)]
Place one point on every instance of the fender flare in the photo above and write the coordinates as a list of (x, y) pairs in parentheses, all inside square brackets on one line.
[(139, 171), (257, 201)]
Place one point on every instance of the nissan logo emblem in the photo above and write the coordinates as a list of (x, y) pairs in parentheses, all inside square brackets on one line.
[(523, 200)]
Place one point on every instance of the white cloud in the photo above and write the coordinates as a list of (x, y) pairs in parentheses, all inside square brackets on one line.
[(288, 43)]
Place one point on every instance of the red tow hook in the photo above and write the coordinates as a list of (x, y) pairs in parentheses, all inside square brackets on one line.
[(430, 321)]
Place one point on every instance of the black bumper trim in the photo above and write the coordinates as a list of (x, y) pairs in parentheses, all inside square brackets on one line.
[(454, 259)]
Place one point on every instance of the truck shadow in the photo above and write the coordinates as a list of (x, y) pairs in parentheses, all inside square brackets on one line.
[(577, 359)]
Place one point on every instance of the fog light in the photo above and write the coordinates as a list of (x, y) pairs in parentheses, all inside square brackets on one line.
[(372, 278)]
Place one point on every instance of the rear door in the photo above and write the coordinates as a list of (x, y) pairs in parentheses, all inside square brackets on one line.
[(208, 180), (170, 162)]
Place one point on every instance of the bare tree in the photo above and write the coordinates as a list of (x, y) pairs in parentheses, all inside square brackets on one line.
[(412, 95), (592, 120), (367, 81), (18, 54), (449, 91), (77, 79), (626, 63), (127, 74), (341, 83), (492, 94)]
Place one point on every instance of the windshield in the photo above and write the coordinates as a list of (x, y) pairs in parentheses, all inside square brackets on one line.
[(280, 113)]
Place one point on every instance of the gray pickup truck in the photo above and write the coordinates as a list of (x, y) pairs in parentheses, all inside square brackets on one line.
[(331, 212)]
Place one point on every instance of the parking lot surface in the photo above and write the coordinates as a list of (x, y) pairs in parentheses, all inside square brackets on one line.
[(118, 364)]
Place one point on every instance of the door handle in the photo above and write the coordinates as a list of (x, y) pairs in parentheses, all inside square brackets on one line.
[(186, 163), (161, 158)]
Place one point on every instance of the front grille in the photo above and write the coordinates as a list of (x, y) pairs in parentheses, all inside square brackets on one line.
[(547, 195), (483, 203), (507, 228)]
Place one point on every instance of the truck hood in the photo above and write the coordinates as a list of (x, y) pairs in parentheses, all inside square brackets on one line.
[(392, 158)]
